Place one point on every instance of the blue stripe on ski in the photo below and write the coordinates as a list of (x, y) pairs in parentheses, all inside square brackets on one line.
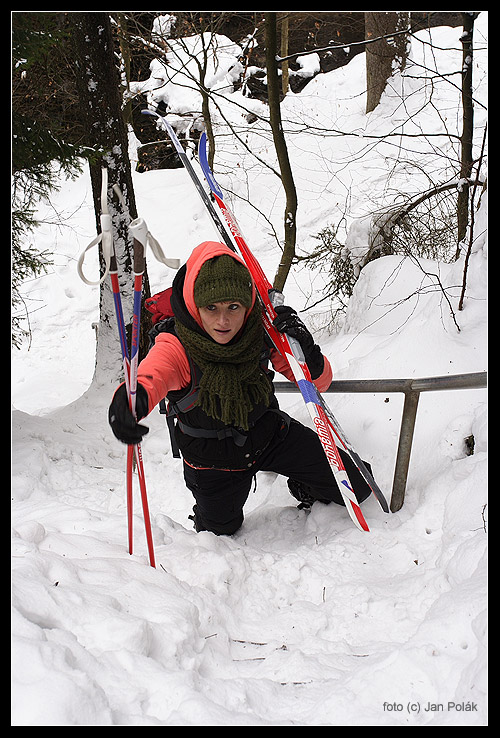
[(308, 391), (202, 153)]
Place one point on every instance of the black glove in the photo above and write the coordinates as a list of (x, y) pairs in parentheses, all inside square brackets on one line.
[(122, 422), (287, 321)]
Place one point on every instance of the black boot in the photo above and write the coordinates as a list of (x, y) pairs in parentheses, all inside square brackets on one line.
[(198, 525), (302, 493)]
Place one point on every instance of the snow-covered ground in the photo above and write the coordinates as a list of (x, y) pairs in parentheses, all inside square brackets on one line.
[(299, 619)]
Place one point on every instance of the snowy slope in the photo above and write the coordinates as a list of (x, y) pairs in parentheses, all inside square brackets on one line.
[(299, 619)]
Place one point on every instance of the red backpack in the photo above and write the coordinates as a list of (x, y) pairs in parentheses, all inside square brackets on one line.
[(159, 305)]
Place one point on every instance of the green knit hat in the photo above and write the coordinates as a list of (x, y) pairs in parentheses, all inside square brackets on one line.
[(223, 279)]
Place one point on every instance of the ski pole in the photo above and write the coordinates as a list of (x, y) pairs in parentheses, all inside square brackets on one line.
[(113, 272), (130, 374), (129, 369), (141, 238), (137, 232)]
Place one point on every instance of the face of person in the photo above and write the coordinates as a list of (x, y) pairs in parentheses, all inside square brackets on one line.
[(223, 320)]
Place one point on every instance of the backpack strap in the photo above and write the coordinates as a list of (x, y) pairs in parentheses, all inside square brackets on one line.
[(167, 325), (228, 432), (181, 406)]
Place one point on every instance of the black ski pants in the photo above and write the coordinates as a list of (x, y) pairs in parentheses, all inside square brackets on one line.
[(295, 453)]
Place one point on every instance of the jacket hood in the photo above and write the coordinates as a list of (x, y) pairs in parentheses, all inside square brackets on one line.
[(202, 253)]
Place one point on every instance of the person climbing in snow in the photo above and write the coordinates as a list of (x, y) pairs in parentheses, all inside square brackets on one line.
[(232, 426)]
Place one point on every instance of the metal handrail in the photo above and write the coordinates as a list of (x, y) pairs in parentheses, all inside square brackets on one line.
[(411, 388)]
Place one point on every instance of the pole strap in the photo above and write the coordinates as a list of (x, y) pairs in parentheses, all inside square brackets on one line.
[(138, 230), (105, 236)]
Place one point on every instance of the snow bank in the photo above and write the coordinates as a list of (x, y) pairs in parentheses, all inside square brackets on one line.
[(298, 619)]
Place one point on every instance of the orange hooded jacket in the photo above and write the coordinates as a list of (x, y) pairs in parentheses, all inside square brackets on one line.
[(166, 366)]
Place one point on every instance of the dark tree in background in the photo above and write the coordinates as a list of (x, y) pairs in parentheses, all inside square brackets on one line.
[(383, 55), (98, 86), (273, 95), (467, 162), (40, 146)]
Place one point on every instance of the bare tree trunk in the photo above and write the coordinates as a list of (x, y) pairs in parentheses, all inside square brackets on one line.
[(207, 119), (468, 126), (284, 52), (383, 55), (123, 38), (273, 94), (106, 136)]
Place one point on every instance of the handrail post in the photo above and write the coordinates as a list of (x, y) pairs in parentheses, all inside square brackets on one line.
[(404, 449), (411, 389)]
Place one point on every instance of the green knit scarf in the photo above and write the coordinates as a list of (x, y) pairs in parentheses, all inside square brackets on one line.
[(232, 382)]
